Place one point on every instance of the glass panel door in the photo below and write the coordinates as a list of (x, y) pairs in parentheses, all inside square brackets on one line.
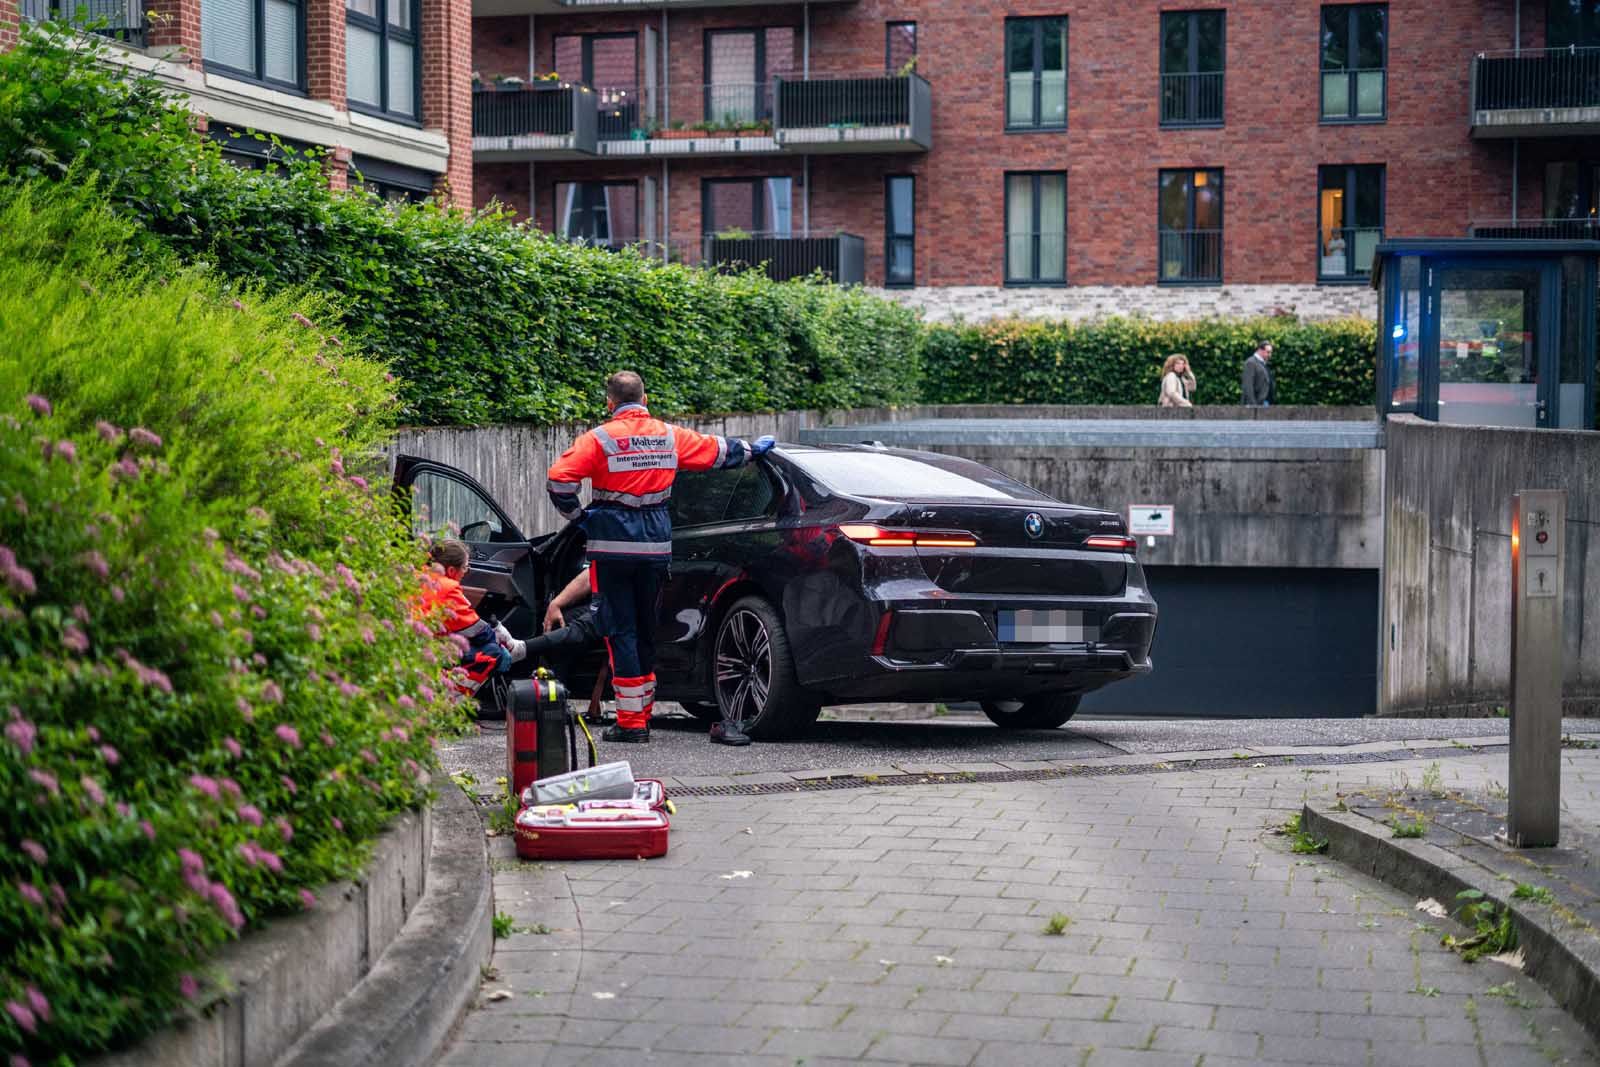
[(1490, 335), (731, 92)]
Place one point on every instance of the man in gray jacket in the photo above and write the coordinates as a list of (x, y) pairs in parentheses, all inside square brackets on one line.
[(1257, 381)]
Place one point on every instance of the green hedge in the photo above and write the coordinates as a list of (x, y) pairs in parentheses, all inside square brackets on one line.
[(1118, 361), (483, 321), (213, 694)]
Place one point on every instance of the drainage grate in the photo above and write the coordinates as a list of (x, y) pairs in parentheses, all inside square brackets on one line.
[(1076, 770)]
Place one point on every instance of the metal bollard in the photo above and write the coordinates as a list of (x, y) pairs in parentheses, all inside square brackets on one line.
[(1538, 557)]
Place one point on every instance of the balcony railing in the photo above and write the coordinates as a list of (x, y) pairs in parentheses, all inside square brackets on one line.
[(1549, 90), (1190, 256), (1192, 99), (1346, 251), (119, 19), (1538, 229), (875, 112), (539, 121), (842, 257)]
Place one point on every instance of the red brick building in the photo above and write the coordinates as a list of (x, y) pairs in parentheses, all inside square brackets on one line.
[(1040, 156), (383, 85)]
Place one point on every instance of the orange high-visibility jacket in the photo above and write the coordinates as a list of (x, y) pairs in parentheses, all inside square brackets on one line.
[(631, 461), (441, 591)]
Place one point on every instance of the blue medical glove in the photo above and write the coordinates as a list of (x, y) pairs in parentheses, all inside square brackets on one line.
[(762, 445)]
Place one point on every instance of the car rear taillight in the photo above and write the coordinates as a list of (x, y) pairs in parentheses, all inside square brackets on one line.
[(881, 638), (1117, 542), (867, 533)]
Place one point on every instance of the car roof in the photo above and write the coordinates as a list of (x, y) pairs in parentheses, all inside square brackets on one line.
[(939, 460)]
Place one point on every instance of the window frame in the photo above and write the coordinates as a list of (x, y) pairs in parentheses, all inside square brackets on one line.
[(888, 43), (1222, 219), (1350, 170), (1034, 281), (1036, 23), (1350, 117), (763, 83), (385, 31), (1192, 64), (587, 186), (891, 237), (259, 52), (586, 54), (759, 182)]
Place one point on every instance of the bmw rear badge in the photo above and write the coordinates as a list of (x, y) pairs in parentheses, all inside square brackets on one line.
[(1034, 525)]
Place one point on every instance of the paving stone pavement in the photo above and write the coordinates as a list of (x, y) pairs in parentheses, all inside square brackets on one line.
[(906, 925)]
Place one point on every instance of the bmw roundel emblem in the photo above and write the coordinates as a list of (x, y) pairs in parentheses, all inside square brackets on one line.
[(1033, 525)]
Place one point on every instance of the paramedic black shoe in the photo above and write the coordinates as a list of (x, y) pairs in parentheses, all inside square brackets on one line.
[(728, 733), (635, 736)]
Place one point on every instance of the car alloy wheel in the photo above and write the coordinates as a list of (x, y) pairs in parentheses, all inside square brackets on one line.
[(744, 666)]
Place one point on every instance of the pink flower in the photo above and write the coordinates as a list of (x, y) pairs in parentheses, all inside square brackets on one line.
[(368, 755), (92, 790), (234, 748), (308, 898), (47, 780), (35, 851), (358, 481), (39, 404), (188, 986), (367, 636), (288, 783), (19, 578), (23, 1015), (19, 1060), (217, 620), (407, 703), (241, 594), (301, 319), (148, 830), (143, 437), (400, 735), (349, 689), (31, 894), (123, 811), (230, 787), (37, 1001), (270, 692), (245, 709), (288, 735), (117, 594), (21, 732), (225, 903), (67, 450), (206, 785), (74, 639), (110, 755), (327, 739), (338, 824), (108, 433), (285, 829), (20, 503), (426, 692), (250, 813), (314, 632), (96, 563), (93, 732)]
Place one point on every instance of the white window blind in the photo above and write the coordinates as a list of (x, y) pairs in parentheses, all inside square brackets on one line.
[(402, 79), (363, 71), (228, 33), (283, 41)]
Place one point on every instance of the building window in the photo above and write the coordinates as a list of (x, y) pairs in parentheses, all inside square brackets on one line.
[(122, 20), (754, 207), (1350, 214), (382, 68), (598, 213), (1572, 25), (608, 63), (900, 47), (1192, 68), (1190, 226), (899, 231), (263, 40), (740, 66), (1355, 51), (1036, 73), (1036, 229)]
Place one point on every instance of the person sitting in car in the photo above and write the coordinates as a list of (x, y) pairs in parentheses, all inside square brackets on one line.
[(482, 653), (569, 624)]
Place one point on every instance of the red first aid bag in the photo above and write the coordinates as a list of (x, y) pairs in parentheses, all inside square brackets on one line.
[(565, 833)]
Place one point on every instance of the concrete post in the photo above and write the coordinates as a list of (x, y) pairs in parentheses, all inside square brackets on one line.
[(1538, 521)]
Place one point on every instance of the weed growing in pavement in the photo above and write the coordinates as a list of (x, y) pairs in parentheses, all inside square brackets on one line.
[(1497, 791), (1417, 827), (504, 817), (463, 779), (1425, 990), (1301, 842), (503, 925), (1536, 893), (1507, 991), (1501, 712), (1568, 741), (1458, 744), (1057, 925), (1494, 932), (1433, 778), (1291, 825)]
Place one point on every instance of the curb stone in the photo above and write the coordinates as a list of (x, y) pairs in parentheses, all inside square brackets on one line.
[(405, 1009), (1565, 964)]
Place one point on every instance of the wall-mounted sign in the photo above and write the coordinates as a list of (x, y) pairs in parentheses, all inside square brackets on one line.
[(1151, 519)]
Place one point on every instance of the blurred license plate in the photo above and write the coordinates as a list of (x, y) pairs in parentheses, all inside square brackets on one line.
[(1055, 627)]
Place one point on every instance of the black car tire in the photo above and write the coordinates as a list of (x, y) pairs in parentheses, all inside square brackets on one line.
[(751, 636), (1044, 712), (701, 710)]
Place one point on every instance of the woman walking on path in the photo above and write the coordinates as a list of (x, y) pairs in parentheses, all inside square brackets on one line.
[(1177, 382)]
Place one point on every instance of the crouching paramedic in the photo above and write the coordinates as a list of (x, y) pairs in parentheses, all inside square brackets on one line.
[(631, 461)]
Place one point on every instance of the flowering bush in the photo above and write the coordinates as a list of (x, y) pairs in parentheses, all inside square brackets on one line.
[(211, 691)]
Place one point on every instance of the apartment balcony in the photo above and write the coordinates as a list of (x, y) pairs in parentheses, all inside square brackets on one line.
[(1190, 257), (542, 121), (688, 120), (580, 7), (842, 257), (1546, 92), (1537, 229), (877, 113), (122, 20)]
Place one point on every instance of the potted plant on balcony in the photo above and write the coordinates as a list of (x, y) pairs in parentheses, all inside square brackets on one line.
[(676, 132), (507, 82)]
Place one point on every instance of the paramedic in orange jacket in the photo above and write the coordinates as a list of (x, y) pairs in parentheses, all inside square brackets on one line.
[(630, 462)]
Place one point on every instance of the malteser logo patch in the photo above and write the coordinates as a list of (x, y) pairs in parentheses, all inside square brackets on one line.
[(642, 443)]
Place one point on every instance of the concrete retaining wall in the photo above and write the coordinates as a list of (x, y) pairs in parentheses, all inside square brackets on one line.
[(1446, 620), (979, 303), (287, 976)]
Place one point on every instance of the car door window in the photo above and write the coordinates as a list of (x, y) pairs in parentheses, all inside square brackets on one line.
[(700, 497), (752, 496), (439, 502)]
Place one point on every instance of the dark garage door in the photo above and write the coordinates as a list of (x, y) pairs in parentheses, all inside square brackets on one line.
[(1256, 641)]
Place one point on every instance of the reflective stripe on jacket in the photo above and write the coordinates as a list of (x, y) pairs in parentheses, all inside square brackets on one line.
[(631, 462)]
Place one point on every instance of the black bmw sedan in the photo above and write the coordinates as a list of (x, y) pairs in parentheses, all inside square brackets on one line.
[(844, 575)]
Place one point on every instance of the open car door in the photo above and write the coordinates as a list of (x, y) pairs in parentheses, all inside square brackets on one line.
[(503, 581)]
